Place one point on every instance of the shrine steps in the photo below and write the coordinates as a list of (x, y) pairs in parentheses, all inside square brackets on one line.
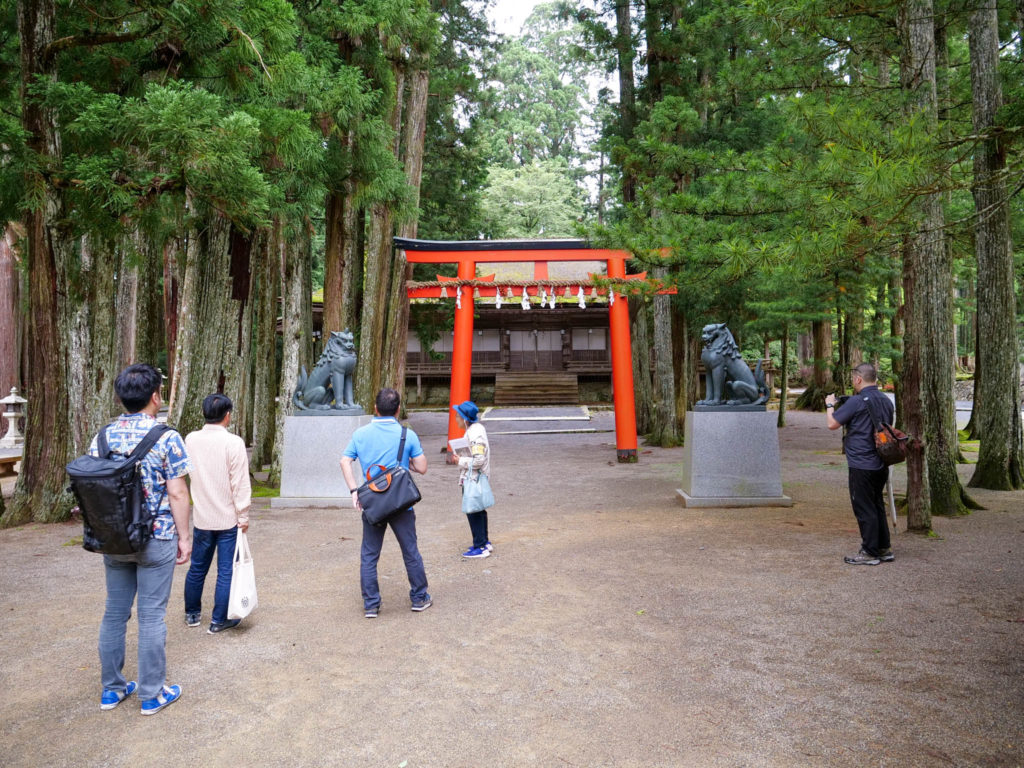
[(536, 388)]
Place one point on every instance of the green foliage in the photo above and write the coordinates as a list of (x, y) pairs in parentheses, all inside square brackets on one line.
[(454, 163), (536, 200), (538, 93)]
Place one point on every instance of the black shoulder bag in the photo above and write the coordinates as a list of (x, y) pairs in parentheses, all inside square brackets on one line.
[(389, 491)]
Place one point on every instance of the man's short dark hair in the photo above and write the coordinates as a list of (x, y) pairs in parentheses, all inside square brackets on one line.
[(135, 386), (216, 407), (867, 372), (388, 401)]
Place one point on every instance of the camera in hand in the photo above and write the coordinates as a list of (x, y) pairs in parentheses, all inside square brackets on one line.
[(841, 399)]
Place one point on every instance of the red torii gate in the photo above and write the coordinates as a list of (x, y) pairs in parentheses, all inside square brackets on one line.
[(468, 253)]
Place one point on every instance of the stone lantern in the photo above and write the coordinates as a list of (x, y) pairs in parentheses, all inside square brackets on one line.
[(13, 410)]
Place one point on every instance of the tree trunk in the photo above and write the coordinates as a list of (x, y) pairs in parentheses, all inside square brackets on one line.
[(174, 275), (243, 249), (895, 298), (854, 333), (919, 514), (999, 423), (90, 315), (149, 337), (305, 240), (266, 290), (784, 374), (813, 398), (663, 429), (335, 239), (352, 281), (627, 93), (642, 386), (843, 348), (970, 327), (209, 357), (973, 428), (127, 312), (39, 493), (10, 320), (686, 369), (376, 283), (378, 278), (293, 259), (398, 314), (928, 291)]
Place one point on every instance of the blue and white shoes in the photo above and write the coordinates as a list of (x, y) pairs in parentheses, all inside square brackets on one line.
[(477, 552), (423, 604), (166, 697), (111, 699)]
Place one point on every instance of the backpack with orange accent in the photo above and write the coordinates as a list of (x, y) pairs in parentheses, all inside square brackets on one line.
[(890, 443)]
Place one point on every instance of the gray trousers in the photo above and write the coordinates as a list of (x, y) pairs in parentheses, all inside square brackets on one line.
[(147, 574), (404, 526)]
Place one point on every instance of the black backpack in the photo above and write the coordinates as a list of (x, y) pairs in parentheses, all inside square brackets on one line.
[(110, 495), (890, 443)]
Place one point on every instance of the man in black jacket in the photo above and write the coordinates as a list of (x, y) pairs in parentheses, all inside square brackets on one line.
[(868, 473)]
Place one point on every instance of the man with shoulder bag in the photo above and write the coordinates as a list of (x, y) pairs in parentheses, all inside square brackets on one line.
[(376, 446), (868, 473), (144, 575)]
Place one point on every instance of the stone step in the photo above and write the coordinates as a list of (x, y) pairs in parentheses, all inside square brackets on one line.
[(539, 388)]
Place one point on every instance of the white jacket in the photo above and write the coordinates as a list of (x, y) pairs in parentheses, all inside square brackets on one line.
[(479, 459)]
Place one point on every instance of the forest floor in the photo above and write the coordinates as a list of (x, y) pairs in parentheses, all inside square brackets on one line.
[(611, 627)]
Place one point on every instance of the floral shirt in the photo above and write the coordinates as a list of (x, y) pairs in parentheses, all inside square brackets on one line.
[(166, 461)]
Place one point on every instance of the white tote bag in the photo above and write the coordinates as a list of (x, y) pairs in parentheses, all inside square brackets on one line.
[(242, 598)]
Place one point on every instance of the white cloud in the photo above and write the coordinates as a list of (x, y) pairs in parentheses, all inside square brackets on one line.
[(509, 15)]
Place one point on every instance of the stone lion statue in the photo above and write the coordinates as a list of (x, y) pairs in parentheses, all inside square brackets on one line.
[(727, 372), (329, 386)]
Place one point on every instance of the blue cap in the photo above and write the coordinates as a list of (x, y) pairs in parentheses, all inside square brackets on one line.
[(467, 410)]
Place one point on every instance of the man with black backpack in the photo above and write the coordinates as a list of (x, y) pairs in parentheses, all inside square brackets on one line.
[(148, 572), (868, 473)]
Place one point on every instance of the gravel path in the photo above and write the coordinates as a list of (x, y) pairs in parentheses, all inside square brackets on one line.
[(611, 627)]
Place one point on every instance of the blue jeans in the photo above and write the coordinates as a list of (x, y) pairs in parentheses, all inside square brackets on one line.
[(404, 526), (149, 574), (204, 543), (478, 527)]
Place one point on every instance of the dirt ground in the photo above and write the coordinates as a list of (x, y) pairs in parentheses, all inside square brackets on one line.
[(612, 627)]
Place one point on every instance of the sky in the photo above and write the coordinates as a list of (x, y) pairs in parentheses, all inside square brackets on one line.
[(508, 15)]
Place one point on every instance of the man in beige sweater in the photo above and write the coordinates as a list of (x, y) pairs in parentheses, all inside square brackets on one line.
[(221, 495)]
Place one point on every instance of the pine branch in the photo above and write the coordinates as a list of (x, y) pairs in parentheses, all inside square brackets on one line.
[(256, 51), (79, 41)]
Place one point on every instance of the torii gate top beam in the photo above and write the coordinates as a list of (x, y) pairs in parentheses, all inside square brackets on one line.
[(491, 251)]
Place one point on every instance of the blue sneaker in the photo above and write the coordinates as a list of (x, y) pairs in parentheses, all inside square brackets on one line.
[(423, 604), (169, 695), (476, 552), (111, 699), (216, 627)]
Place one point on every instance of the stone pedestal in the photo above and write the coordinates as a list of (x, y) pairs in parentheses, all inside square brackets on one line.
[(731, 459), (310, 470)]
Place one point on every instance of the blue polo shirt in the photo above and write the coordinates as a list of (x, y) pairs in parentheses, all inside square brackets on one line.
[(377, 443), (860, 429)]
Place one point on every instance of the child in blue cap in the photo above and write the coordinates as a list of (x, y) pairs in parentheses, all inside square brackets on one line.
[(479, 461)]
